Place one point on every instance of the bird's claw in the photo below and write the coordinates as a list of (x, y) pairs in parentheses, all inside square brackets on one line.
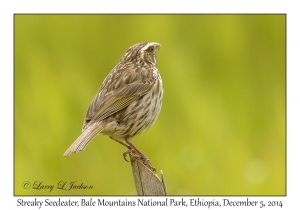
[(140, 157), (131, 152), (126, 153), (145, 161)]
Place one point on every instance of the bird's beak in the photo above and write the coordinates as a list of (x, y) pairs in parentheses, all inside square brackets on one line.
[(158, 46)]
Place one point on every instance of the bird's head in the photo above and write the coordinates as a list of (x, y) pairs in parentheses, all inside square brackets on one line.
[(142, 52)]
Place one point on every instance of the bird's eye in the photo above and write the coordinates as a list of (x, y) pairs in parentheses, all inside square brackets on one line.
[(151, 49)]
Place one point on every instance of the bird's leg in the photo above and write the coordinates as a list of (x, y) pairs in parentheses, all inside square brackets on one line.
[(137, 154), (130, 150)]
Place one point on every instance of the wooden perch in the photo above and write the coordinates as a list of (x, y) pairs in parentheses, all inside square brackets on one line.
[(146, 181)]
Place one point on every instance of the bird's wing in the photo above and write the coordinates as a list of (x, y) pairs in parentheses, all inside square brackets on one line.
[(104, 105)]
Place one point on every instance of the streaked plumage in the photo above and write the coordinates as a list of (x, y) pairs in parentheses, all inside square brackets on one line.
[(128, 101)]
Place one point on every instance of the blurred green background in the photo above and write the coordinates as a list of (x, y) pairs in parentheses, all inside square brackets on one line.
[(222, 127)]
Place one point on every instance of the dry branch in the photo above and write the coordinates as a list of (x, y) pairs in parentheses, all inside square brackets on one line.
[(146, 181)]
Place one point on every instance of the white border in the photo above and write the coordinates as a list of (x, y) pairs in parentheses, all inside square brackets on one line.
[(8, 8)]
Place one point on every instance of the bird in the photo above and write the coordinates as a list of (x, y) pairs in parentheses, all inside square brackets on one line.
[(128, 102)]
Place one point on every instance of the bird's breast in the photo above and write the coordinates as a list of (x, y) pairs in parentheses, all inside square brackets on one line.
[(139, 115)]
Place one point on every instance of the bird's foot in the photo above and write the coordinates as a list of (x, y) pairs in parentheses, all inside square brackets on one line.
[(136, 155), (153, 169), (144, 160), (126, 153)]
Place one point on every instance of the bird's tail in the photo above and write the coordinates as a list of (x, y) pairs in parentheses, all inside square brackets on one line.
[(86, 137)]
